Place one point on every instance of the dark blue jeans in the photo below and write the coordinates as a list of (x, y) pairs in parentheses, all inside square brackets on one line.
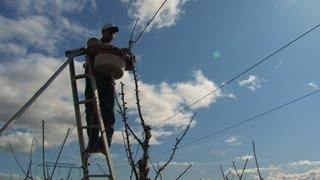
[(106, 92)]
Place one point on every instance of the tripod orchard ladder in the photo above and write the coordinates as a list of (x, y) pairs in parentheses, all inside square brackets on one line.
[(80, 127)]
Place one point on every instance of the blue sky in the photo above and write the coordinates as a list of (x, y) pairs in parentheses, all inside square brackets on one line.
[(192, 47)]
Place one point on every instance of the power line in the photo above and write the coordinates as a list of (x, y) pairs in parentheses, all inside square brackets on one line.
[(237, 76), (245, 121), (132, 43), (231, 80), (154, 15), (238, 124)]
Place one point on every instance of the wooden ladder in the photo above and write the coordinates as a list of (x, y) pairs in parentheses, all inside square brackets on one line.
[(80, 127)]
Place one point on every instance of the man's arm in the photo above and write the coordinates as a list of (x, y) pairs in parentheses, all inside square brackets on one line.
[(93, 46)]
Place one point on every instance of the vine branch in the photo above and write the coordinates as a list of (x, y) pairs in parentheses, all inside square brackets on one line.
[(175, 148)]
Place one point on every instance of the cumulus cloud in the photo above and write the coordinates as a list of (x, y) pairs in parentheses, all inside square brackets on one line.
[(253, 82), (246, 157), (19, 141), (252, 172), (233, 140), (310, 174), (307, 170), (145, 9), (20, 79), (11, 49), (174, 163), (30, 59), (56, 6), (22, 76), (313, 85), (156, 138), (15, 176), (32, 30), (159, 101), (22, 73), (305, 163), (193, 91), (40, 32)]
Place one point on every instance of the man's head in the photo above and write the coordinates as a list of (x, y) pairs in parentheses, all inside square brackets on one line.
[(108, 32)]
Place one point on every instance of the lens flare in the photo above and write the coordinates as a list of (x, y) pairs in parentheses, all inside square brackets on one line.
[(216, 54)]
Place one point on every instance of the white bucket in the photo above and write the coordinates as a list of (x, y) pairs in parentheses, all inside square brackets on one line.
[(110, 64)]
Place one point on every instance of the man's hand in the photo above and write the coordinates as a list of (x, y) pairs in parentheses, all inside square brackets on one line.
[(125, 51)]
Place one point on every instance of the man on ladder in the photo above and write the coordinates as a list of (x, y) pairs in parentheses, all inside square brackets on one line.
[(105, 86)]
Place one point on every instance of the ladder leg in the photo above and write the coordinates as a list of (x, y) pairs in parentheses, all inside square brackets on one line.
[(84, 157), (102, 128)]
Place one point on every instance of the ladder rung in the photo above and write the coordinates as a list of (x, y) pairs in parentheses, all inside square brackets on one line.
[(85, 101), (99, 175), (81, 76), (90, 126)]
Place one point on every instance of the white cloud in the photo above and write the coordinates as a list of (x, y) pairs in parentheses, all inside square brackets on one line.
[(20, 79), (23, 72), (305, 163), (252, 172), (156, 138), (11, 49), (56, 6), (158, 135), (174, 163), (313, 85), (15, 176), (253, 82), (40, 32), (233, 140), (303, 169), (193, 91), (22, 76), (296, 170), (145, 9), (310, 174), (18, 141), (161, 101), (246, 157), (32, 30), (72, 28)]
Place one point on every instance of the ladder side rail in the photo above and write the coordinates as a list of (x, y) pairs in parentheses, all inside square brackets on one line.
[(34, 97), (100, 120), (78, 117), (103, 130)]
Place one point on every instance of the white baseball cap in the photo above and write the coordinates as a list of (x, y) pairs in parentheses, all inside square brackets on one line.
[(110, 27)]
